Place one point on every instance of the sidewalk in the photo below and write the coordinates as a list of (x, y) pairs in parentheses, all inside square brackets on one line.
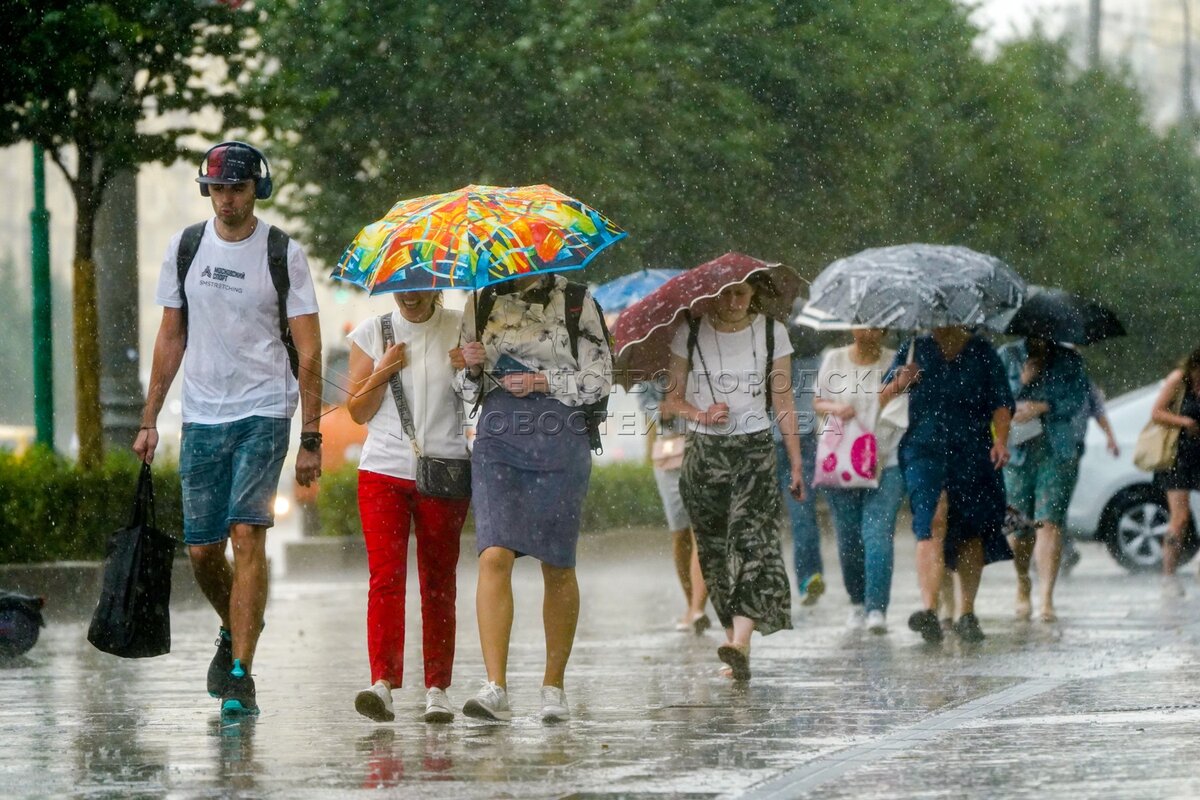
[(1103, 704)]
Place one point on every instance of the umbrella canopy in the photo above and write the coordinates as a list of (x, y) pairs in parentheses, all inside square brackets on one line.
[(1060, 316), (620, 293), (644, 331), (914, 287), (473, 237)]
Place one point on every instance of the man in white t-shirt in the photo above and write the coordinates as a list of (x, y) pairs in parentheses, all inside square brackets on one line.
[(244, 310)]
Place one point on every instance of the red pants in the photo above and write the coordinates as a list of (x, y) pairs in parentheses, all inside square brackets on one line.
[(389, 507)]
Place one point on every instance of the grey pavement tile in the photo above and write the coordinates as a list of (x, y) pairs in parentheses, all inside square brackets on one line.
[(651, 718)]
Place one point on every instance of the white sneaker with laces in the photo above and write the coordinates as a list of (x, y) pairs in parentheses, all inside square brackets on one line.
[(856, 618), (876, 621), (491, 703), (437, 706), (554, 705), (375, 703)]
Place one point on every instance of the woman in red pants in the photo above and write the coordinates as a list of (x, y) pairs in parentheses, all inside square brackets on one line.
[(422, 333)]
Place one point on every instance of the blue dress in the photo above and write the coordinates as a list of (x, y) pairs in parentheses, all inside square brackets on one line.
[(947, 447)]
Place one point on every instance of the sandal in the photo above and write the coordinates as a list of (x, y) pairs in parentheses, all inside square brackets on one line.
[(700, 623), (738, 659)]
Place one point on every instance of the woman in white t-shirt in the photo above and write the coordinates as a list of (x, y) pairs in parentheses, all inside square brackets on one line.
[(848, 386), (727, 372), (389, 503)]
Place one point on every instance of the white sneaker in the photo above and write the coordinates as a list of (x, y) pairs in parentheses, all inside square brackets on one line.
[(856, 618), (876, 621), (437, 706), (554, 705), (1172, 589), (375, 703), (490, 703)]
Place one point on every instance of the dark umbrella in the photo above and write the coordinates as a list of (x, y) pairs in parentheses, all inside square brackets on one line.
[(1060, 316)]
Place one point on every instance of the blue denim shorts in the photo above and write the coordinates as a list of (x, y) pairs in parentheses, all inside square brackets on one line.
[(230, 473)]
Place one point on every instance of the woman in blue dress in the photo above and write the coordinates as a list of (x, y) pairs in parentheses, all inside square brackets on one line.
[(960, 409)]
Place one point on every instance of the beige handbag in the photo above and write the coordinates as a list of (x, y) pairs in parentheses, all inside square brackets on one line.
[(1157, 444), (667, 452)]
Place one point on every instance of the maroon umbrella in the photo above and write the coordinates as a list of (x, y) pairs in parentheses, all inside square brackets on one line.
[(644, 331)]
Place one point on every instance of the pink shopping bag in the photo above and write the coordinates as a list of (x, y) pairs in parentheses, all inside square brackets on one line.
[(847, 456)]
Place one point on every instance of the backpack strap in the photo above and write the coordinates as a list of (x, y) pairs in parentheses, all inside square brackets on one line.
[(573, 297), (277, 263), (770, 332), (189, 244)]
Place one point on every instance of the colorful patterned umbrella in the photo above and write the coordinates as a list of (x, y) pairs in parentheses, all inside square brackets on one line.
[(620, 293), (473, 237), (644, 331)]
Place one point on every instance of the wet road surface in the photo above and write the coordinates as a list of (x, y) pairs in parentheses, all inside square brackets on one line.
[(1102, 704)]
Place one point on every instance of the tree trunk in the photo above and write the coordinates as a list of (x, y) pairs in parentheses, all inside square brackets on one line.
[(86, 329)]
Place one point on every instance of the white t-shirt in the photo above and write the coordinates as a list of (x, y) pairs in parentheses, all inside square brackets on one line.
[(235, 365), (737, 369), (842, 380), (427, 380)]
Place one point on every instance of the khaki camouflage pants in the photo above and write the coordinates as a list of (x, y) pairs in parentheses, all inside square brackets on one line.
[(730, 490)]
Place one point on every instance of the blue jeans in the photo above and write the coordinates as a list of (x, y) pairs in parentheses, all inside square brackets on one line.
[(806, 536), (866, 525)]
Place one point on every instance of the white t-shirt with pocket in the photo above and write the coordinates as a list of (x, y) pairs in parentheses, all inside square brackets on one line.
[(737, 369), (236, 365)]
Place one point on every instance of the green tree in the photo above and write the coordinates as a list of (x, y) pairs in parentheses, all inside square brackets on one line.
[(798, 131), (105, 86)]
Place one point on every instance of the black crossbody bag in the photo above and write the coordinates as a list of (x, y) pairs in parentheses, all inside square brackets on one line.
[(436, 477)]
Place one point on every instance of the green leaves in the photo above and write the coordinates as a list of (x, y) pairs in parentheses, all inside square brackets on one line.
[(799, 131)]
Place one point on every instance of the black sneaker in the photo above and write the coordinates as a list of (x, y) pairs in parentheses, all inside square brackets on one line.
[(926, 623), (221, 664), (968, 628), (237, 698)]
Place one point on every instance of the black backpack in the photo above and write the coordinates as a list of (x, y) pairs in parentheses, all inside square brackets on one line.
[(277, 248), (573, 296)]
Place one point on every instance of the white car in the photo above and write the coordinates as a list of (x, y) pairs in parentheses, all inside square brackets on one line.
[(1114, 501)]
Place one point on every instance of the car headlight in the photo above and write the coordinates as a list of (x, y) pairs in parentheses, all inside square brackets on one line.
[(282, 505)]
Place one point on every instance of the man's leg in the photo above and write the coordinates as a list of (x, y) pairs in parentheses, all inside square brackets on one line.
[(214, 576), (248, 599)]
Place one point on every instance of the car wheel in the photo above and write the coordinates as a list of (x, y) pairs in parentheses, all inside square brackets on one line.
[(1133, 527)]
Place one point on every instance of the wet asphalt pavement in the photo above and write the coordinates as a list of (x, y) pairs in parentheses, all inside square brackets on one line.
[(1103, 704)]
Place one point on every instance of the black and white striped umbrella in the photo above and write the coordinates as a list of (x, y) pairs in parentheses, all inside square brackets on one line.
[(914, 287)]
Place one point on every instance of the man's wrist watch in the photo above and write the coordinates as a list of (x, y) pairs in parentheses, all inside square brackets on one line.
[(310, 441)]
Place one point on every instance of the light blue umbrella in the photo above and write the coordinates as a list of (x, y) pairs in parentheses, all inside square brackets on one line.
[(620, 293)]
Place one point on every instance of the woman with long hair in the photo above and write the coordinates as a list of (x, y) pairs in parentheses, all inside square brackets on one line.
[(1178, 405), (723, 369)]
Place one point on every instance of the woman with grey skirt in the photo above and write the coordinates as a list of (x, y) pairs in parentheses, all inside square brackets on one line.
[(530, 465), (720, 383)]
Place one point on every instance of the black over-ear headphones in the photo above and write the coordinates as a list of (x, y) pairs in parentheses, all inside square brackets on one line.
[(263, 185)]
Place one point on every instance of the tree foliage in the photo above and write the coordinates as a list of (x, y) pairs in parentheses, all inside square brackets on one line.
[(105, 86), (797, 131)]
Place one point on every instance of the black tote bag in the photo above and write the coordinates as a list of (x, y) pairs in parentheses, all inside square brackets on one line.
[(133, 617)]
